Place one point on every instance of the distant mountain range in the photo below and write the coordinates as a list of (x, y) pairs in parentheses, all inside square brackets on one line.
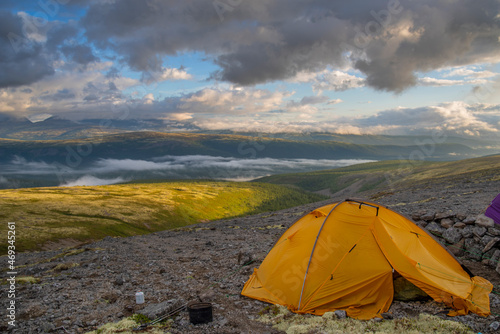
[(55, 128), (147, 145), (57, 151)]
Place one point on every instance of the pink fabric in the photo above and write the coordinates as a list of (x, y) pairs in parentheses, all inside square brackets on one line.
[(493, 210)]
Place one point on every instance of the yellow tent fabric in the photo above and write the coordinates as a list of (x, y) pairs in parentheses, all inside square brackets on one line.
[(342, 257)]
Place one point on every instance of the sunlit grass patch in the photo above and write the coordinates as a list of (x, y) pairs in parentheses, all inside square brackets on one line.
[(125, 326), (282, 319), (65, 266), (45, 215), (22, 280), (27, 280)]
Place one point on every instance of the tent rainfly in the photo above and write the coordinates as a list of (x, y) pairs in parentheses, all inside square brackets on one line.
[(493, 210), (342, 256)]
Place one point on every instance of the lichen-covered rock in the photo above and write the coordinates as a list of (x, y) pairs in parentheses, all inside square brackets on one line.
[(444, 214), (492, 243), (469, 220), (484, 221), (495, 325), (472, 250), (423, 223), (457, 249), (387, 316), (416, 215), (154, 311), (494, 259), (494, 231), (467, 231), (446, 223), (474, 253), (452, 235), (485, 239), (486, 259), (469, 243), (429, 216), (340, 314), (479, 231), (435, 229), (494, 300)]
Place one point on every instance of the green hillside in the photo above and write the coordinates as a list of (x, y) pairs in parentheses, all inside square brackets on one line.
[(371, 174), (80, 214), (377, 175)]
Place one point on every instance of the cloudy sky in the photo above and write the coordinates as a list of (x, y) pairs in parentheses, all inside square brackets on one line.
[(379, 66)]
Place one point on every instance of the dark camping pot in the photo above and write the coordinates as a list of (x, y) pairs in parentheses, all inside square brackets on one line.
[(200, 313)]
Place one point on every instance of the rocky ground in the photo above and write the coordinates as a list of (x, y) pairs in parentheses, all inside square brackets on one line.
[(79, 289)]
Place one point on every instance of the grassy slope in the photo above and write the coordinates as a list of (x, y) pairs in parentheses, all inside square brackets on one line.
[(336, 179), (90, 213), (379, 174)]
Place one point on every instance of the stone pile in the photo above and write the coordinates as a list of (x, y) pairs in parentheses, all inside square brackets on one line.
[(472, 237)]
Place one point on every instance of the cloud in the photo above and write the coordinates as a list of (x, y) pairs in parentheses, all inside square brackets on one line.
[(232, 100), (89, 180), (262, 41), (207, 101), (337, 81), (81, 54), (456, 118), (8, 184), (453, 118), (328, 79), (281, 124), (61, 94), (166, 74), (74, 89), (179, 116), (316, 99), (428, 81), (111, 171), (334, 101), (218, 167), (462, 75), (31, 44), (470, 72), (22, 61)]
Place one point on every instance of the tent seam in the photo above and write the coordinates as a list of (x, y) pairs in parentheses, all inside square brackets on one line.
[(312, 251)]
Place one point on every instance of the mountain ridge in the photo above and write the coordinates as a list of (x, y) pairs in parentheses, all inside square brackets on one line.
[(157, 144)]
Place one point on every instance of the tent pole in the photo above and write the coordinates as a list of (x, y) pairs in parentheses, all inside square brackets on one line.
[(312, 252)]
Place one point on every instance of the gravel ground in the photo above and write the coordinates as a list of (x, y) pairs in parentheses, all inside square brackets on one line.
[(82, 288)]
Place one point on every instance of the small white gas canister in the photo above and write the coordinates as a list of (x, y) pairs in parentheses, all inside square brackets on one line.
[(139, 297)]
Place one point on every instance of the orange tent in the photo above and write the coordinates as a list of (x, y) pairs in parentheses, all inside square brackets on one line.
[(342, 257)]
